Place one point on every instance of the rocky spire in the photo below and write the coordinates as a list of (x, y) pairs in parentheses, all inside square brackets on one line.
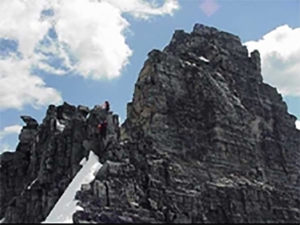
[(226, 136)]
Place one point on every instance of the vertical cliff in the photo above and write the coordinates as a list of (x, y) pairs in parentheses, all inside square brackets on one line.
[(207, 141)]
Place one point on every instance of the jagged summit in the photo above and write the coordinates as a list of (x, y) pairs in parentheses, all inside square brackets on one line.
[(205, 71), (48, 157), (202, 101), (205, 140)]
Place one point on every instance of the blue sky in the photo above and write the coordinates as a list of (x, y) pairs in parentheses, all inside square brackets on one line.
[(85, 52)]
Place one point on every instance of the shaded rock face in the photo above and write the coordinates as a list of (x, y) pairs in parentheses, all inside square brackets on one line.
[(47, 158), (205, 140)]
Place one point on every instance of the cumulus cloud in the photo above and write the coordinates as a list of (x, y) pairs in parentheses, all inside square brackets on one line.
[(99, 48), (4, 147), (18, 87), (85, 37), (144, 9), (280, 54), (6, 131), (13, 129), (20, 20)]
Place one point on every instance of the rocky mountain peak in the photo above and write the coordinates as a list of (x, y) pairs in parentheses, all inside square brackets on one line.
[(205, 140), (203, 103)]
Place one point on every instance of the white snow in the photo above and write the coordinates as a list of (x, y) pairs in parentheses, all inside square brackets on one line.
[(203, 59), (187, 62), (297, 124), (29, 187), (60, 126), (66, 205), (190, 64), (2, 220)]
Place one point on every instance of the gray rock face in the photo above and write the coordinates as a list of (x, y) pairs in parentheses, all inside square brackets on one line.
[(205, 141), (47, 158)]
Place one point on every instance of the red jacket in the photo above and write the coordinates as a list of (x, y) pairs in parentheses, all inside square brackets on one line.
[(102, 125)]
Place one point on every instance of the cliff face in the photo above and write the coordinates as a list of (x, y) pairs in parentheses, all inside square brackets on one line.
[(205, 140), (47, 159)]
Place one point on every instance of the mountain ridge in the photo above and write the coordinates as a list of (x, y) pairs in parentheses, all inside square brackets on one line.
[(205, 140)]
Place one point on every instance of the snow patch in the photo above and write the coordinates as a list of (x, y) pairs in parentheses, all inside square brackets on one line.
[(219, 75), (2, 220), (60, 126), (204, 59), (29, 187), (190, 64), (83, 161), (187, 62), (66, 206), (297, 124)]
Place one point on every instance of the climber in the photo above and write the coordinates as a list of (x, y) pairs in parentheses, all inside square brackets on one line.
[(106, 106), (102, 128)]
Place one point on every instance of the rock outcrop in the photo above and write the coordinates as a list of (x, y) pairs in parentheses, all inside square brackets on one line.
[(205, 140), (47, 158)]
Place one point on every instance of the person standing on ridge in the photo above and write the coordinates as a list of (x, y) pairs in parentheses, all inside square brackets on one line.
[(106, 106), (102, 128)]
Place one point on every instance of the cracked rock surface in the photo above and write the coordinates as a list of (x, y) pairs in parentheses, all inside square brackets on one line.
[(205, 141)]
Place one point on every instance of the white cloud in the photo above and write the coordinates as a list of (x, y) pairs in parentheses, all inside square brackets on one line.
[(20, 20), (6, 131), (100, 46), (298, 124), (53, 56), (89, 40), (280, 54), (94, 31), (5, 148), (18, 87), (13, 129), (144, 9)]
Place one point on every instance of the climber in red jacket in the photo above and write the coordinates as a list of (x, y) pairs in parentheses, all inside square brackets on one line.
[(105, 106), (102, 128)]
